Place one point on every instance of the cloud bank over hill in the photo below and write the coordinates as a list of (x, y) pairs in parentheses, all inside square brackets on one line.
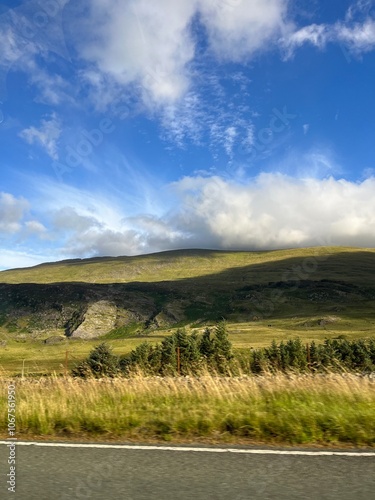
[(271, 211)]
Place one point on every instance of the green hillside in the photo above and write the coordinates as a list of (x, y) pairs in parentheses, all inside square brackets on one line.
[(311, 293), (182, 264)]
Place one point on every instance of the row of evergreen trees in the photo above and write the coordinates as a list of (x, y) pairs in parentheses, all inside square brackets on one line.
[(178, 354), (334, 355), (183, 354)]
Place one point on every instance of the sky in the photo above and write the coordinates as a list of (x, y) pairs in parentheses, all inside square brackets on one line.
[(137, 126)]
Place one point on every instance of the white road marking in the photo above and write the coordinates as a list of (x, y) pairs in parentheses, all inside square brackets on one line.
[(183, 448)]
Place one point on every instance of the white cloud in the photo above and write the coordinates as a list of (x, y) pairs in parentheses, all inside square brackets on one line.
[(151, 45), (239, 28), (272, 211), (15, 223), (34, 227), (356, 32), (53, 88), (249, 140), (276, 211), (68, 219), (143, 43), (46, 136), (359, 37), (105, 242), (12, 212), (229, 138), (315, 34), (11, 49)]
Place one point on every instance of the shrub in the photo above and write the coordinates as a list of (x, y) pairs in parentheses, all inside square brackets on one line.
[(100, 363)]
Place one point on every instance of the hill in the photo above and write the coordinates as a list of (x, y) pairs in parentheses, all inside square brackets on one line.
[(92, 297), (183, 264)]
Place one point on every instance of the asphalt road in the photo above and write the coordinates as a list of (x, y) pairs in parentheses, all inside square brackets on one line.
[(49, 472)]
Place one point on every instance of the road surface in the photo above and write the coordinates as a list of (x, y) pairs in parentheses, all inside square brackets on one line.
[(49, 471)]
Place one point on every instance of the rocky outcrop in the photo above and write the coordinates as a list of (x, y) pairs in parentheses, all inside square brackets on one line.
[(99, 319), (172, 313)]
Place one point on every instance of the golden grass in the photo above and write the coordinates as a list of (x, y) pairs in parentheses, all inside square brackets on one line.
[(334, 409)]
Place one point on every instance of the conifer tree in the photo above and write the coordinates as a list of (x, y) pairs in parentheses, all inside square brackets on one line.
[(222, 348), (222, 345), (100, 363), (206, 345), (257, 361)]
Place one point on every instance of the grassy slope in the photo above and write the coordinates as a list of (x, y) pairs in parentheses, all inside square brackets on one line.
[(185, 264)]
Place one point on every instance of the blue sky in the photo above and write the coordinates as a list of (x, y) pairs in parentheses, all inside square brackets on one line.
[(132, 126)]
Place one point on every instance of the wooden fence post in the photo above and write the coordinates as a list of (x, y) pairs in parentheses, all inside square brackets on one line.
[(308, 356), (66, 363), (178, 361)]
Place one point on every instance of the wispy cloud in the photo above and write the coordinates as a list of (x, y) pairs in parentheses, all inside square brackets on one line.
[(53, 89), (197, 119), (229, 140), (29, 30), (14, 258), (356, 32), (46, 136)]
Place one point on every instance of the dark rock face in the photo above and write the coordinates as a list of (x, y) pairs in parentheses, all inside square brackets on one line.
[(88, 310), (81, 310)]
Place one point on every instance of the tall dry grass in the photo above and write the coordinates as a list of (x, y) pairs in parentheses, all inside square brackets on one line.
[(280, 408)]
